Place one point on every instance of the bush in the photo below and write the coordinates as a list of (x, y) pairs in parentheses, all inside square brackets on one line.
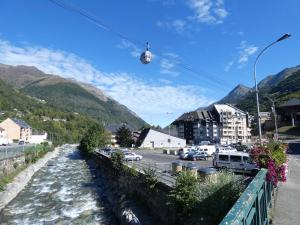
[(117, 159), (217, 197), (185, 194), (151, 178)]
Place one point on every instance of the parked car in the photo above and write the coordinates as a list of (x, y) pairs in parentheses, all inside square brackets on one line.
[(129, 156), (236, 161), (21, 142), (183, 155), (209, 149), (198, 155)]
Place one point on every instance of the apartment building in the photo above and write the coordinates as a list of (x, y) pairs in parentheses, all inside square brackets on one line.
[(221, 123), (16, 129), (234, 125), (197, 126)]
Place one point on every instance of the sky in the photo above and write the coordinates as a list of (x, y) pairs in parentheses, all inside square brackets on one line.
[(201, 49)]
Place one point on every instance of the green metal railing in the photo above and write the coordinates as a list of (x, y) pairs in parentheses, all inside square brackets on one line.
[(252, 207)]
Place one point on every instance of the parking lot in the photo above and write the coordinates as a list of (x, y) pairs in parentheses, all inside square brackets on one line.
[(160, 160)]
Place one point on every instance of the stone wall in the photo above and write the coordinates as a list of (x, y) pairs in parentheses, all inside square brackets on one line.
[(9, 165), (125, 189)]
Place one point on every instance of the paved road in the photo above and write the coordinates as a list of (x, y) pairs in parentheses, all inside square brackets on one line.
[(287, 210)]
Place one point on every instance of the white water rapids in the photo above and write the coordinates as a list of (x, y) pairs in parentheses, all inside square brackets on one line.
[(62, 192)]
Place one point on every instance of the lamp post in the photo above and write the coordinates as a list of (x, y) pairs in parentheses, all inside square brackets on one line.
[(169, 113), (275, 118), (285, 36)]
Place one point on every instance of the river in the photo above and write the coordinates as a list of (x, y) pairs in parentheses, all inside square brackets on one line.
[(63, 192)]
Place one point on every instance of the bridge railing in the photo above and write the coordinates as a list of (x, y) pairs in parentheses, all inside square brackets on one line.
[(253, 205)]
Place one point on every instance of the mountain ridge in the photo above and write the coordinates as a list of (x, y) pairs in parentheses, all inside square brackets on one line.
[(69, 94)]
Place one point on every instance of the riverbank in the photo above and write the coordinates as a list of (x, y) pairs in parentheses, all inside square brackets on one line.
[(20, 181)]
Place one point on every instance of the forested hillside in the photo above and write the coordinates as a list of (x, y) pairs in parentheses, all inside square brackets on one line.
[(69, 95), (62, 127), (286, 89)]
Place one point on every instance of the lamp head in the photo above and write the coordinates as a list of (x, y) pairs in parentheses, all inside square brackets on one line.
[(285, 36)]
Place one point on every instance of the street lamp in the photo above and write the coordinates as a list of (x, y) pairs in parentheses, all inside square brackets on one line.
[(275, 117), (169, 113), (285, 36)]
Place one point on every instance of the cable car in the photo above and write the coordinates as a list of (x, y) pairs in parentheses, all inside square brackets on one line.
[(146, 56)]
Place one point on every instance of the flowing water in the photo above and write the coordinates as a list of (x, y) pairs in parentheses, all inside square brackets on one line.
[(63, 192)]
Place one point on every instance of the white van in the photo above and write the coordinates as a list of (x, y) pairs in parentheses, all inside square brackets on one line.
[(209, 149), (236, 161), (225, 149)]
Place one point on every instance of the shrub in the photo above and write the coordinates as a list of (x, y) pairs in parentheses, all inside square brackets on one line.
[(185, 194), (16, 165), (151, 178), (216, 197), (117, 159)]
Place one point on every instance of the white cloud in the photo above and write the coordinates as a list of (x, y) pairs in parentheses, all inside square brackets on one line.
[(228, 66), (208, 11), (177, 25), (134, 50), (246, 50), (168, 64), (150, 101)]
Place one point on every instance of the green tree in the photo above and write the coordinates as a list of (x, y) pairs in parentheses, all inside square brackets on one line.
[(96, 136), (124, 137)]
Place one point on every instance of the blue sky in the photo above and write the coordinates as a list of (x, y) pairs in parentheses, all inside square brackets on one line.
[(217, 39)]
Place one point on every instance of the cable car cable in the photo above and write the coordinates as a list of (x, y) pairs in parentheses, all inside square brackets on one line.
[(71, 7)]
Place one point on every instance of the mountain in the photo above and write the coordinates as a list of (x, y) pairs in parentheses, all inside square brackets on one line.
[(69, 95), (62, 127), (236, 95), (284, 90), (242, 95), (272, 80)]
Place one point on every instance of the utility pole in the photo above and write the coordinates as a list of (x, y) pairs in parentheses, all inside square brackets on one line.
[(275, 118), (169, 140)]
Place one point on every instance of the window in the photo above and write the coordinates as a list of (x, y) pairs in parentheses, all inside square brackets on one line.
[(246, 159), (235, 158), (223, 157)]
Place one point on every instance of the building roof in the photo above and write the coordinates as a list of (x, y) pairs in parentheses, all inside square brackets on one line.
[(227, 107), (21, 123), (291, 102), (196, 115)]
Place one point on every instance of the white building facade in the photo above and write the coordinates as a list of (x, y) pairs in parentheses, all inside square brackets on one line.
[(234, 124), (150, 138), (38, 139)]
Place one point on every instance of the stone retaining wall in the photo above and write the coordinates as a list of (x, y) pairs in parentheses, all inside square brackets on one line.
[(125, 187), (9, 165)]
